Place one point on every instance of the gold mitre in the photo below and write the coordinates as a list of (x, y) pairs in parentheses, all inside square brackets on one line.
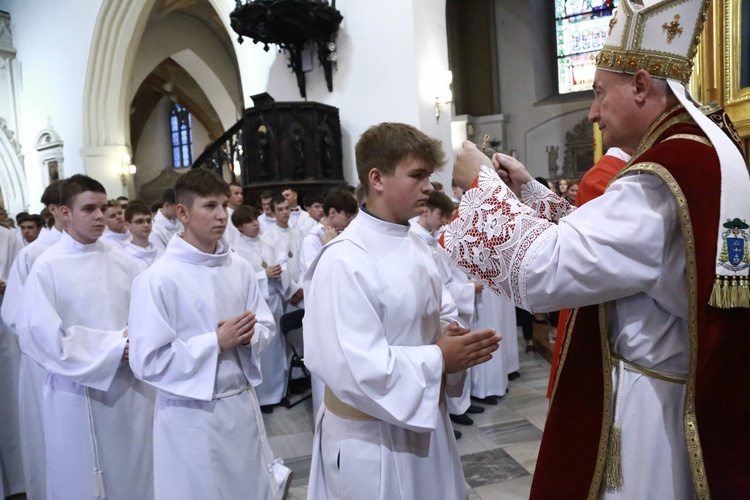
[(659, 36)]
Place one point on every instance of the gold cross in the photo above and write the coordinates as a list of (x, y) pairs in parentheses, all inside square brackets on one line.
[(612, 23), (672, 28)]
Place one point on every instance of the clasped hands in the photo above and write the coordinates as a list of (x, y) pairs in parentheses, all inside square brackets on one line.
[(463, 349)]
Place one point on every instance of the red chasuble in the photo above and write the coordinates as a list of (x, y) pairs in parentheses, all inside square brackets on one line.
[(717, 404)]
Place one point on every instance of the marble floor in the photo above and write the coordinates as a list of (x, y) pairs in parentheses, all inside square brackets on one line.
[(498, 452)]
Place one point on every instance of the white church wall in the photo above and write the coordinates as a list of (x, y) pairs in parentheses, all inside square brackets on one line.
[(53, 57), (533, 125), (154, 153), (389, 53)]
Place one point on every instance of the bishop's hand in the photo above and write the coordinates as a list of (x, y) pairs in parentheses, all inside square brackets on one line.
[(512, 172)]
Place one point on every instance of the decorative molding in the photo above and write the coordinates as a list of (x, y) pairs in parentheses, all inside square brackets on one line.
[(6, 36), (11, 136)]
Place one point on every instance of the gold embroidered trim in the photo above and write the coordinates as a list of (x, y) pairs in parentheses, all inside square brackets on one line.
[(564, 351), (658, 65), (601, 459), (695, 453), (691, 137)]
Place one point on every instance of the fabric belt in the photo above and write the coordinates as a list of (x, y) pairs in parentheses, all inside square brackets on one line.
[(343, 410), (675, 378)]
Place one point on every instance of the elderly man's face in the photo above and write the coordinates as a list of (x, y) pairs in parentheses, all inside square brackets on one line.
[(613, 109)]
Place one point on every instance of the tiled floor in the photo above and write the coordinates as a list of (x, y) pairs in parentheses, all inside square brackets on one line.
[(498, 452)]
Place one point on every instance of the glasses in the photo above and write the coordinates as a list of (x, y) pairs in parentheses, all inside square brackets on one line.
[(141, 221)]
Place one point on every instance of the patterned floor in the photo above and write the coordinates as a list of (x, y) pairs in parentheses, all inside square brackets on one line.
[(498, 452)]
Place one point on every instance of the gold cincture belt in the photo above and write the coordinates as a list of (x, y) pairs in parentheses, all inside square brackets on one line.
[(676, 378)]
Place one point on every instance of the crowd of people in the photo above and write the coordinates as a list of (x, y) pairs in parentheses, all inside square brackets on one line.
[(119, 327), (144, 372)]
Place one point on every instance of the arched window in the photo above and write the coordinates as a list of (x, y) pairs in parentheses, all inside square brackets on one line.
[(582, 26), (182, 136)]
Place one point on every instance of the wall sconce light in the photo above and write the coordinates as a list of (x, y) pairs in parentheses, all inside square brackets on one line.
[(443, 92), (125, 168)]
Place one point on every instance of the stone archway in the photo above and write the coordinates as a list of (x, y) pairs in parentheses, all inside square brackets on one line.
[(119, 28)]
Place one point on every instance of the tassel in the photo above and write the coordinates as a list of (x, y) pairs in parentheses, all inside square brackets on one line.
[(613, 468), (715, 299), (99, 490), (734, 291), (743, 294)]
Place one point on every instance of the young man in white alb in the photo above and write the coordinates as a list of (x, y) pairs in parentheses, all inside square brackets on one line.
[(116, 230), (298, 218), (287, 241), (382, 335), (73, 321), (31, 374), (165, 224), (273, 282), (198, 326), (138, 218)]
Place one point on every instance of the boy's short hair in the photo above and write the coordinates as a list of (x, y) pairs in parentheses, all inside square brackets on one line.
[(77, 184), (233, 183), (243, 215), (53, 193), (21, 216), (199, 182), (27, 217), (440, 200), (267, 194), (136, 207), (49, 219), (342, 201), (168, 196), (113, 204), (311, 198), (156, 206), (275, 200), (122, 198), (384, 146), (437, 186)]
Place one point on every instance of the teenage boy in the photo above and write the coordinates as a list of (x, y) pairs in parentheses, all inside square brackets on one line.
[(380, 333), (339, 208), (165, 222), (116, 230), (73, 321), (273, 282), (288, 243), (138, 218), (31, 374), (236, 197), (31, 226), (266, 217), (198, 325), (298, 218)]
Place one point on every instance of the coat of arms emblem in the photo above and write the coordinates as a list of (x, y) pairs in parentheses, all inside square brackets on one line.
[(734, 252)]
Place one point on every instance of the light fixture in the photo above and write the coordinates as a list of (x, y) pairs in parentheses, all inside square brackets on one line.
[(443, 92), (125, 168)]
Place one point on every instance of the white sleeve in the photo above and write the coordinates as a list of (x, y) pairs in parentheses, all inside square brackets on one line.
[(346, 346), (610, 248), (87, 356), (186, 368), (265, 329)]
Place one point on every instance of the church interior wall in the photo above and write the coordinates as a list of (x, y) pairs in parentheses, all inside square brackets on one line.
[(536, 118), (53, 57), (201, 54), (154, 153)]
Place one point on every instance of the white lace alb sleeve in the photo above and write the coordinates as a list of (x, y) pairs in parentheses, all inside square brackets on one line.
[(493, 234), (544, 202)]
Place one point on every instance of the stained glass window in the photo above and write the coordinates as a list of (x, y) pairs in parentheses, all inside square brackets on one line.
[(582, 26), (182, 136)]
